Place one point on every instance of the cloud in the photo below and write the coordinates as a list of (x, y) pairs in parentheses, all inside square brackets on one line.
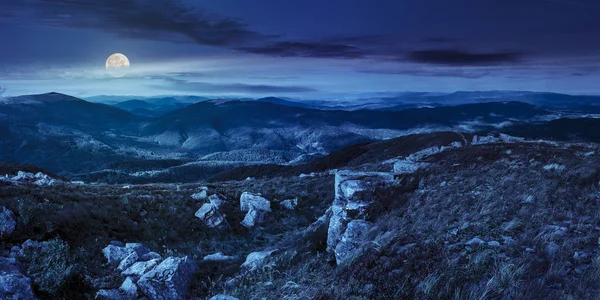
[(425, 72), (142, 19), (206, 88), (461, 58), (308, 49)]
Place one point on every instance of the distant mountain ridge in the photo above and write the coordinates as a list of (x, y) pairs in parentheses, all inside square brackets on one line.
[(70, 136)]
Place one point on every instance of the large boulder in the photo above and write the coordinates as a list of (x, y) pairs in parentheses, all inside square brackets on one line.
[(353, 196), (256, 260), (350, 241), (7, 221), (210, 215), (256, 206), (249, 201), (13, 284), (171, 279)]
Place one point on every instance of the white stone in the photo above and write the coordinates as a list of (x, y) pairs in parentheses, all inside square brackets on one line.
[(114, 254), (253, 217), (129, 288), (475, 242), (218, 257), (216, 201), (141, 267), (210, 216), (132, 258), (249, 201), (171, 279), (256, 260), (200, 196)]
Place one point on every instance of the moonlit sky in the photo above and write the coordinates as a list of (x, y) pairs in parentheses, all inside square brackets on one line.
[(309, 49)]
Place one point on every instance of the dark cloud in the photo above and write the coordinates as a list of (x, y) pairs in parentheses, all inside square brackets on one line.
[(143, 19), (460, 58), (439, 40), (308, 49)]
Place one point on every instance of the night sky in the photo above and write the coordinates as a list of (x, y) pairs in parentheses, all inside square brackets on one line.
[(309, 49)]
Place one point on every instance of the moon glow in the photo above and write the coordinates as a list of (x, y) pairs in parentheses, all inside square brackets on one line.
[(116, 64)]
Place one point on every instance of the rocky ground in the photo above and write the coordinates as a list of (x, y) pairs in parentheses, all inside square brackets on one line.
[(434, 216)]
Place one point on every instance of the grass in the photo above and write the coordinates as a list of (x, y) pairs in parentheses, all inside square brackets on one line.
[(416, 248)]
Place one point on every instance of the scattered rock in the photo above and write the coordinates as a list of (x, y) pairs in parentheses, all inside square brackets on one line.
[(475, 242), (139, 248), (218, 257), (211, 216), (114, 254), (200, 196), (493, 244), (13, 284), (249, 201), (290, 204), (530, 250), (223, 297), (216, 201), (7, 221), (408, 166), (141, 267), (150, 256), (132, 258), (171, 279), (290, 285), (113, 294), (253, 217), (256, 260), (129, 288)]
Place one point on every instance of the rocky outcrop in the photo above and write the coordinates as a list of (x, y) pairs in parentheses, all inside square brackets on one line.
[(257, 260), (353, 195), (350, 241), (146, 274), (7, 221), (171, 279), (256, 207), (13, 284), (40, 178)]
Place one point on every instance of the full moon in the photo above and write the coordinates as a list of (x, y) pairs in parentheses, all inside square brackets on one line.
[(116, 64)]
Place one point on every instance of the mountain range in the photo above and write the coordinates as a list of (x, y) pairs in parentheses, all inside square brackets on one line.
[(145, 138)]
